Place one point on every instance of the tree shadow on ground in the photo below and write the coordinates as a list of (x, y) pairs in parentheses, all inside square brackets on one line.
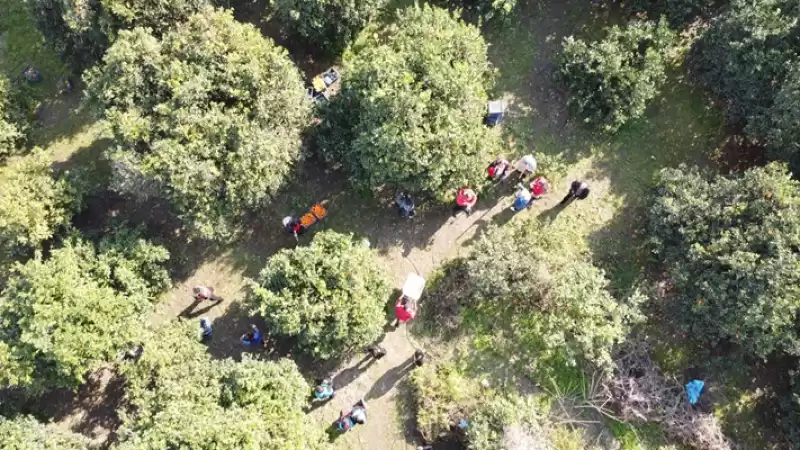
[(92, 410), (388, 380), (342, 379), (348, 212)]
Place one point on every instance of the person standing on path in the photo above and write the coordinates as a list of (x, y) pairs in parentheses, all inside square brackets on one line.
[(205, 293), (578, 189)]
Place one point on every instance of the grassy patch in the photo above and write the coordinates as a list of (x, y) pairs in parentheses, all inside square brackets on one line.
[(643, 436), (23, 46)]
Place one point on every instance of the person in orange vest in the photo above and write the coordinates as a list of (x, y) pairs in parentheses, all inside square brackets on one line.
[(466, 199)]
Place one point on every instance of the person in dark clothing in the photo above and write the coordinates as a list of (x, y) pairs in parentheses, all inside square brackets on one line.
[(405, 205), (419, 358), (376, 351), (578, 189)]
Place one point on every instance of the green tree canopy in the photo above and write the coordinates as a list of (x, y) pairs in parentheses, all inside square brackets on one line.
[(679, 13), (33, 205), (26, 433), (181, 398), (781, 124), (611, 81), (209, 117), (13, 120), (554, 308), (82, 30), (729, 244), (65, 315), (745, 56), (329, 24), (561, 305), (410, 111), (330, 295)]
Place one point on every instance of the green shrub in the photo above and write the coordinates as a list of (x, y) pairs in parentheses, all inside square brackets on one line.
[(33, 204), (63, 316), (13, 119), (409, 114), (81, 30), (780, 126), (442, 396), (611, 81), (679, 13), (328, 24), (729, 245), (330, 296), (555, 309), (209, 117), (26, 433)]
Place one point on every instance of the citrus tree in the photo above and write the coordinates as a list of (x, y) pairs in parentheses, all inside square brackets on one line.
[(181, 398), (328, 24), (81, 30), (329, 296), (25, 433), (729, 244), (65, 315), (409, 114), (208, 117), (611, 81), (33, 205)]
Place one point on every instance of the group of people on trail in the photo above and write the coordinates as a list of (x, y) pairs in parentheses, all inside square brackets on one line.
[(498, 171), (201, 293), (357, 415)]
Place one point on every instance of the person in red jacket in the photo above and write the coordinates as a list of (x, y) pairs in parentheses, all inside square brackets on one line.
[(405, 309), (466, 199)]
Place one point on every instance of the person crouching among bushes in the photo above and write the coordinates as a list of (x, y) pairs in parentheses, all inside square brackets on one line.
[(466, 199)]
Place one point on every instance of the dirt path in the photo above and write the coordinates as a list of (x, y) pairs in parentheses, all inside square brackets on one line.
[(375, 381)]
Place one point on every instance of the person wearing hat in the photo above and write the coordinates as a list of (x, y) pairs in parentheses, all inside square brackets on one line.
[(466, 199), (525, 166), (293, 226)]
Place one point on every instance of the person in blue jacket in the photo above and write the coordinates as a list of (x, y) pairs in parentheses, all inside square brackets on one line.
[(356, 416), (253, 337)]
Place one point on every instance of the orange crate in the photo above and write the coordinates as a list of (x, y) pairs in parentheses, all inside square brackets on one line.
[(307, 220), (319, 211)]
